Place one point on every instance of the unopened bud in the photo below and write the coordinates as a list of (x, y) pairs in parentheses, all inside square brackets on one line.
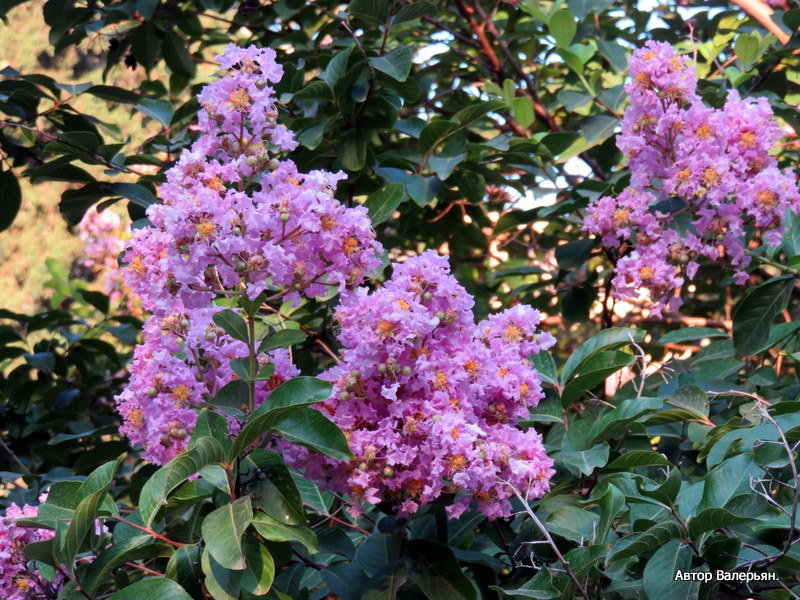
[(185, 323), (426, 296), (388, 472), (152, 392), (382, 367), (274, 164), (440, 315), (344, 396), (406, 371), (252, 161)]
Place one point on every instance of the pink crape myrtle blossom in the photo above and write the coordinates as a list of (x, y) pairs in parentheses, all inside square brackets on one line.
[(104, 236), (18, 581), (702, 182), (233, 221), (430, 401)]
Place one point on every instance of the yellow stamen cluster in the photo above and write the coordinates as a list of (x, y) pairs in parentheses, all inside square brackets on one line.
[(182, 395), (767, 199), (622, 216), (748, 139), (457, 462), (205, 228), (240, 99), (441, 380), (471, 368), (350, 245), (512, 333), (704, 132), (386, 328), (216, 183), (137, 266), (711, 177)]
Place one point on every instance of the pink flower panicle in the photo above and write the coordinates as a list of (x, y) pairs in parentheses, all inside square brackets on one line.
[(104, 236), (19, 581), (429, 400), (716, 162), (234, 220)]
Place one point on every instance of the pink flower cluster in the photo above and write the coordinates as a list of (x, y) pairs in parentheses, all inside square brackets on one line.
[(104, 236), (234, 222), (17, 580), (703, 184), (429, 400), (184, 362)]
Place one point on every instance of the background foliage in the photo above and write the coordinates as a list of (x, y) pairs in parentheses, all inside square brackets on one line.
[(478, 128)]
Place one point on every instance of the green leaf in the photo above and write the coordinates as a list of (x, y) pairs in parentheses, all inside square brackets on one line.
[(138, 194), (715, 518), (573, 523), (656, 536), (223, 530), (688, 334), (586, 461), (614, 422), (278, 496), (283, 338), (436, 132), (692, 400), (639, 458), (276, 531), (260, 570), (287, 398), (114, 94), (594, 371), (610, 503), (155, 588), (473, 112), (414, 11), (154, 494), (755, 313), (658, 577), (563, 27), (185, 568), (384, 202), (543, 362), (396, 64), (353, 152), (233, 324), (310, 428), (598, 128), (434, 568), (728, 479), (177, 56), (522, 108), (539, 587), (146, 44), (371, 11), (337, 67), (109, 559), (608, 339), (747, 48), (156, 108), (221, 583)]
